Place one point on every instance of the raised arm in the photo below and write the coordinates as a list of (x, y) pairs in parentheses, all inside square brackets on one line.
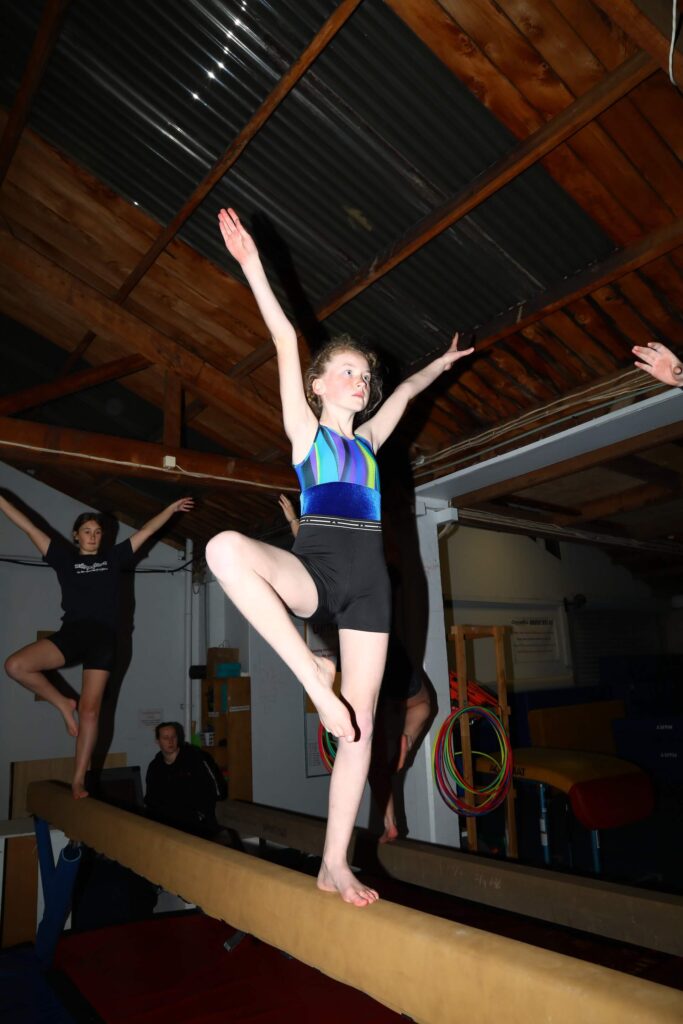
[(289, 513), (34, 533), (660, 362), (146, 531), (298, 417), (380, 426)]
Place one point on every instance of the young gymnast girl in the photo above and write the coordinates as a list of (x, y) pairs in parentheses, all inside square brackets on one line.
[(90, 598), (335, 571)]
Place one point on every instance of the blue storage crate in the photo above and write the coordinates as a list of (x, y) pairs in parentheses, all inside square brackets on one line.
[(655, 744)]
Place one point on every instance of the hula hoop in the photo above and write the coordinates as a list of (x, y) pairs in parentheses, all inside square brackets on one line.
[(327, 747), (449, 780)]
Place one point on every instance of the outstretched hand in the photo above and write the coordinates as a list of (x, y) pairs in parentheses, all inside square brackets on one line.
[(183, 505), (238, 241), (660, 362), (454, 353)]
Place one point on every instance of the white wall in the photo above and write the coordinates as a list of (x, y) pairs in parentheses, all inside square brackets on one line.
[(482, 565), (491, 577), (155, 677)]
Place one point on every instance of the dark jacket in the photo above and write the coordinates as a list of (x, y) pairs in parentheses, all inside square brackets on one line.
[(184, 794)]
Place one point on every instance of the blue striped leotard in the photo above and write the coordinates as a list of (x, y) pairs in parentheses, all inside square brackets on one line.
[(339, 478), (340, 535)]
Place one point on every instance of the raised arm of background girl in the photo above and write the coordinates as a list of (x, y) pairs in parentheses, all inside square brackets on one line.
[(299, 421), (380, 426), (33, 532), (154, 524)]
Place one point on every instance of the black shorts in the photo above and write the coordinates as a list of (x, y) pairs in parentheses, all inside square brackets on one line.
[(345, 557), (86, 642)]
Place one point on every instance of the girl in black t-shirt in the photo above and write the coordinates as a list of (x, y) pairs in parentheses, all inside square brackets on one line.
[(90, 598)]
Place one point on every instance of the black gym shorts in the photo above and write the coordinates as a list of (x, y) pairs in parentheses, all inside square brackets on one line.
[(345, 557), (90, 643)]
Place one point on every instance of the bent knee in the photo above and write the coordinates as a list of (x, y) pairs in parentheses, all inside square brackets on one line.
[(13, 666), (225, 552)]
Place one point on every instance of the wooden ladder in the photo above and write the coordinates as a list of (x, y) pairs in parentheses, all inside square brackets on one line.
[(498, 633)]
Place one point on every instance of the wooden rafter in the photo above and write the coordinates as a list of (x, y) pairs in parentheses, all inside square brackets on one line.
[(630, 445), (173, 410), (29, 398), (646, 471), (334, 23), (645, 31), (623, 501), (532, 527), (27, 271), (46, 37), (98, 453), (624, 261), (538, 144)]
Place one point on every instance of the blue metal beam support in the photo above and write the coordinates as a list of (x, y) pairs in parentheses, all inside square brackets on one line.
[(58, 884)]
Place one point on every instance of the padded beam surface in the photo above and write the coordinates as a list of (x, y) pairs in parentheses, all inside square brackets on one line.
[(565, 768), (622, 912), (432, 970)]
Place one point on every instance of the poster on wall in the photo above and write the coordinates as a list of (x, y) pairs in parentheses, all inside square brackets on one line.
[(538, 641), (534, 639), (324, 642)]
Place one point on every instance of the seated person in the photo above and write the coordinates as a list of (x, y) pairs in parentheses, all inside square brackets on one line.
[(183, 784)]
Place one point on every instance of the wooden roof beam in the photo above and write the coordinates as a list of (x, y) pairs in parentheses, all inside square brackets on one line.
[(613, 87), (602, 534), (334, 23), (46, 37), (614, 504), (597, 457), (173, 411), (29, 398), (650, 31), (26, 442), (30, 273), (646, 471), (624, 261)]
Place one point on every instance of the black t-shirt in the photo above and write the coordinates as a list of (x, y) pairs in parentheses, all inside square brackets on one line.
[(90, 583), (184, 794)]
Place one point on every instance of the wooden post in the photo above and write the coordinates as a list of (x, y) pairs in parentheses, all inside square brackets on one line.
[(460, 633), (499, 634)]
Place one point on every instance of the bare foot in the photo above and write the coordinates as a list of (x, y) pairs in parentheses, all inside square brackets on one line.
[(406, 746), (68, 710), (78, 790), (390, 832), (334, 716), (343, 881)]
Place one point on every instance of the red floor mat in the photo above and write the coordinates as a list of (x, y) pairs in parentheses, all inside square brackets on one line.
[(174, 969)]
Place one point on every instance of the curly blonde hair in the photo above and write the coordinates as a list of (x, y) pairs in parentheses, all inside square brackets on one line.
[(342, 343)]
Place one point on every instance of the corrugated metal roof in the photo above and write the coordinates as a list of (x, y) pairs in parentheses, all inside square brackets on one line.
[(375, 135)]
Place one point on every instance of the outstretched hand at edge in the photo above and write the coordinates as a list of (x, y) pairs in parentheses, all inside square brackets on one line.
[(660, 362)]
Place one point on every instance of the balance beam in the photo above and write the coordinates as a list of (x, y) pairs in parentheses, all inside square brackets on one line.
[(430, 969), (621, 912)]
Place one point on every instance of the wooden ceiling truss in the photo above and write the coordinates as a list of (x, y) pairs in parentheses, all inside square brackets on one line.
[(578, 84)]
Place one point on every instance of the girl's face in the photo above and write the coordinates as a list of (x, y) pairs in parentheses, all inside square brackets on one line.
[(88, 537), (345, 382)]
